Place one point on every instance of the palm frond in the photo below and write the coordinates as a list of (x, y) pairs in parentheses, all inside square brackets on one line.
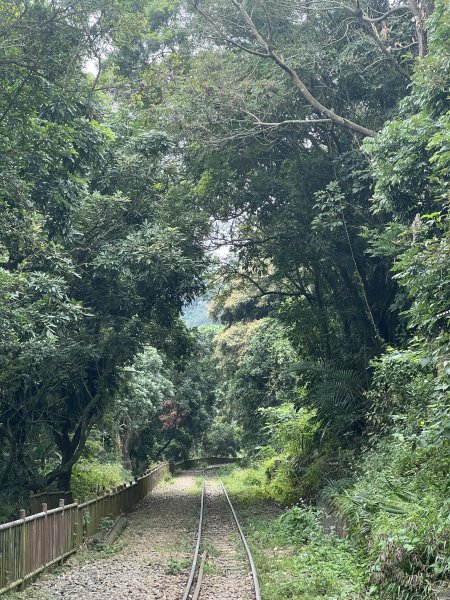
[(336, 392)]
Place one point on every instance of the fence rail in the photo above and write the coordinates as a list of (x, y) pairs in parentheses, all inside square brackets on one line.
[(31, 544), (204, 462), (51, 499)]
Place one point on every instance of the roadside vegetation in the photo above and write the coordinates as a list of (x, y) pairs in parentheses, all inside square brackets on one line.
[(392, 537), (294, 557)]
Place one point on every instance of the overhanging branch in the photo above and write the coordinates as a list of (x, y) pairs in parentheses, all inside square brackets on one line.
[(269, 53)]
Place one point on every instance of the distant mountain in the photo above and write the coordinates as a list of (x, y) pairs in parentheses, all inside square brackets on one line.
[(196, 314)]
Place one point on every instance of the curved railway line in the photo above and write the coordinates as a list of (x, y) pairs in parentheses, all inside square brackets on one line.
[(216, 540)]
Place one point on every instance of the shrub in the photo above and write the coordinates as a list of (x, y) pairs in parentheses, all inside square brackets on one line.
[(300, 524), (399, 510), (295, 559), (90, 475), (248, 484), (11, 501), (222, 438)]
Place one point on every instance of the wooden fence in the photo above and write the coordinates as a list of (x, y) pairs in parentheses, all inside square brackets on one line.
[(51, 499), (31, 544), (198, 463)]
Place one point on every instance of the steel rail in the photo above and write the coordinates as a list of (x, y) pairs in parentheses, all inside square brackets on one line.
[(189, 584), (198, 587), (187, 589), (246, 546)]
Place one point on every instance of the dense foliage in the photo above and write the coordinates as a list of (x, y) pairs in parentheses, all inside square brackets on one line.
[(94, 265), (295, 155)]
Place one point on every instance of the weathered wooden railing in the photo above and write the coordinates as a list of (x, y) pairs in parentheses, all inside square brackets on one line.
[(198, 463), (31, 544), (51, 499)]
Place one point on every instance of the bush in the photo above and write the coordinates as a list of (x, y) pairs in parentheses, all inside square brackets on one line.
[(11, 501), (249, 483), (223, 438), (300, 524), (399, 510), (295, 559), (90, 475)]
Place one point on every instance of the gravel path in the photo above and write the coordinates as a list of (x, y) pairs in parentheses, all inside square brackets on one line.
[(227, 573), (150, 562)]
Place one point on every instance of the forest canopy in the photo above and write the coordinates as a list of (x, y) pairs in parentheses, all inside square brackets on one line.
[(286, 164)]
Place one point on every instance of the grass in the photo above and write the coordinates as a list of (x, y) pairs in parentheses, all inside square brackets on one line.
[(41, 595), (210, 568), (249, 484), (176, 566), (321, 568), (196, 489), (210, 549), (294, 559), (400, 504), (106, 550)]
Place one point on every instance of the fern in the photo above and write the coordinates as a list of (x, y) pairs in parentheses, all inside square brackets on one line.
[(337, 393)]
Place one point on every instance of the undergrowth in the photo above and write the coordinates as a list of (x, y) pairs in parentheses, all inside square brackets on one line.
[(295, 559), (398, 509), (90, 475), (176, 566), (247, 483)]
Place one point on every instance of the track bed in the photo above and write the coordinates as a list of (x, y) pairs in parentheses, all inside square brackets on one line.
[(221, 570)]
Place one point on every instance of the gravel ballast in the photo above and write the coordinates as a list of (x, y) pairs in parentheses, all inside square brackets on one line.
[(227, 576), (150, 561)]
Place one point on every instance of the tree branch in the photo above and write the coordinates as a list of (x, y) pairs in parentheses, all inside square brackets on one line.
[(368, 29), (292, 74), (224, 37), (257, 121), (363, 17), (342, 121)]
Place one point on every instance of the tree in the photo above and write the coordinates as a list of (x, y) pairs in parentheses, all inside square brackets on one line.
[(93, 267), (256, 360), (410, 161), (265, 30), (139, 402), (294, 199)]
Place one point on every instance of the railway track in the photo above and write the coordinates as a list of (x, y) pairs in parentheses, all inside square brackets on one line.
[(221, 569)]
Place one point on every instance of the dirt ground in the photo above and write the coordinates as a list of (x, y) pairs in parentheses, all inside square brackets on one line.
[(150, 561)]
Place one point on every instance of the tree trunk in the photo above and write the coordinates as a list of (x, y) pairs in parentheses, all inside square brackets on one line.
[(421, 12), (64, 480)]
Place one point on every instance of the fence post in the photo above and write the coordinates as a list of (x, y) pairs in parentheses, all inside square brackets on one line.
[(23, 547), (84, 520), (107, 503), (76, 533), (61, 527)]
